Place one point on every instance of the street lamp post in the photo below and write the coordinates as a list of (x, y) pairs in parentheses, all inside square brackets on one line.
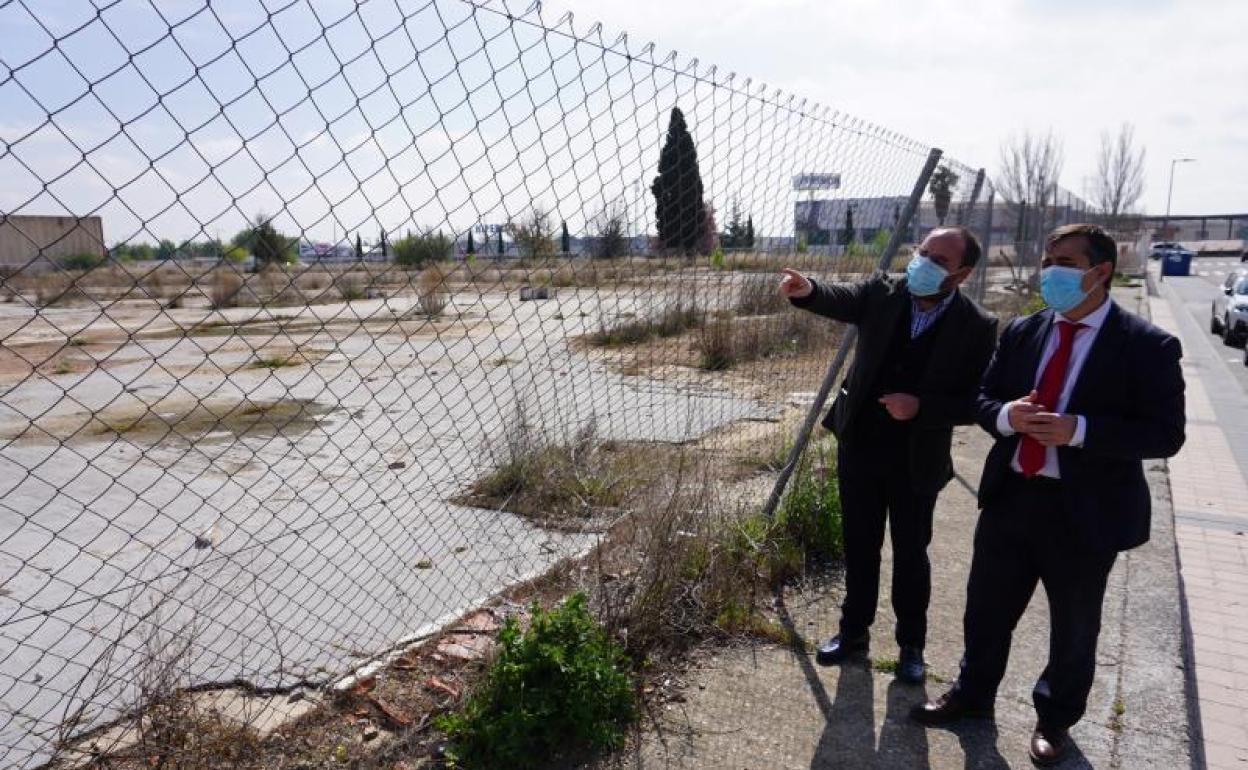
[(1165, 223)]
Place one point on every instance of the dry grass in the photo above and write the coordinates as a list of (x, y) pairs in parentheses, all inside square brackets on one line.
[(431, 292), (565, 483), (759, 295), (728, 341), (226, 286), (351, 286), (669, 321)]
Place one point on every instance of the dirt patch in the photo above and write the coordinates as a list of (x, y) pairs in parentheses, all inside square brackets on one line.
[(191, 422)]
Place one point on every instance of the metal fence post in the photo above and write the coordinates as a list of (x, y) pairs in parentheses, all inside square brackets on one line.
[(970, 206), (981, 279), (851, 335)]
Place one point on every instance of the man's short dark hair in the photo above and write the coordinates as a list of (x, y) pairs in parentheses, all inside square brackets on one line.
[(971, 248), (1099, 246)]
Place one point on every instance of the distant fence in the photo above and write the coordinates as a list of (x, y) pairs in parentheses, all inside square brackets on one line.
[(271, 467)]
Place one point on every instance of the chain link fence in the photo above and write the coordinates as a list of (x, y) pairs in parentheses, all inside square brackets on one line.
[(293, 294)]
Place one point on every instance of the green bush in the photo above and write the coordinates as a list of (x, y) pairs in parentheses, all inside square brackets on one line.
[(560, 686), (416, 250), (810, 514), (263, 241), (81, 261)]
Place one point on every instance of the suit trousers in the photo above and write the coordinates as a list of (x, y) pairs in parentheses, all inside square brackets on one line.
[(1021, 540), (875, 488)]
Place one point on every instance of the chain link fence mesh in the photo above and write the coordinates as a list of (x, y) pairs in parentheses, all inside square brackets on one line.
[(288, 286)]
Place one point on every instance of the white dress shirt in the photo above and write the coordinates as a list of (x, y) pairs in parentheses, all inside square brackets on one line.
[(1078, 355)]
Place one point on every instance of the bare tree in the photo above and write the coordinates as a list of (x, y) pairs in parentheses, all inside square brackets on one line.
[(1027, 181), (1119, 181), (609, 229), (535, 235)]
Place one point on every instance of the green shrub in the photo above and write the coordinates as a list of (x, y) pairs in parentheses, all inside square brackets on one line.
[(810, 514), (83, 261), (262, 240), (416, 250), (560, 686)]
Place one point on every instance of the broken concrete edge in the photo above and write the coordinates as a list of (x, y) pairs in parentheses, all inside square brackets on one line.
[(276, 706)]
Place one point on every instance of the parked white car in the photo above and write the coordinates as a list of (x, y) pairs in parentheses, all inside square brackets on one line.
[(1229, 315)]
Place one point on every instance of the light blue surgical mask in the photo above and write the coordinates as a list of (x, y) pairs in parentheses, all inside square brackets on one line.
[(1062, 287), (924, 277)]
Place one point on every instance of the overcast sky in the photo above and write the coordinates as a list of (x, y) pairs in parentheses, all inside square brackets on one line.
[(179, 118), (965, 74)]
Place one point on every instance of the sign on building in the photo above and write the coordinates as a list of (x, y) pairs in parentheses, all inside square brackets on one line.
[(817, 182)]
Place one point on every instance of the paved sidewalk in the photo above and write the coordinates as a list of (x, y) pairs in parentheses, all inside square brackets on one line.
[(1210, 493)]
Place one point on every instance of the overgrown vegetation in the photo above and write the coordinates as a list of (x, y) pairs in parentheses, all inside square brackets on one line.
[(728, 341), (263, 241), (534, 235), (81, 261), (672, 319), (717, 559), (758, 295), (417, 250), (560, 686), (431, 292), (226, 286), (558, 483)]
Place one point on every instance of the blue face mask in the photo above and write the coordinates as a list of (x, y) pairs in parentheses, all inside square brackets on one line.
[(1062, 287), (924, 277)]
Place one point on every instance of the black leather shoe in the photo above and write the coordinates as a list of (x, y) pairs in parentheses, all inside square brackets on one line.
[(947, 709), (910, 666), (838, 650), (1049, 745)]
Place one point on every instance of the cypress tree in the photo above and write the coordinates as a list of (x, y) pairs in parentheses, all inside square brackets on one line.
[(359, 248), (679, 209), (565, 241), (500, 241), (472, 247), (749, 232), (384, 251)]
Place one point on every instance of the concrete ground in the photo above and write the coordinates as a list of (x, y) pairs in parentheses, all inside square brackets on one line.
[(295, 551), (767, 707)]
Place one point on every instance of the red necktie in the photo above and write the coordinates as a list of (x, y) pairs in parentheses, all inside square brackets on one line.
[(1031, 452)]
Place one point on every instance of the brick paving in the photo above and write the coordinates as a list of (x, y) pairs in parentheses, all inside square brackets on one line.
[(1210, 496)]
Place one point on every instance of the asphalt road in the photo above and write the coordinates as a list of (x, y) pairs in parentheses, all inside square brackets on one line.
[(1197, 293)]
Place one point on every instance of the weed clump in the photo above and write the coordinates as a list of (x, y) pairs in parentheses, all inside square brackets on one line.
[(225, 289), (670, 321), (558, 482), (759, 295), (431, 293), (558, 687)]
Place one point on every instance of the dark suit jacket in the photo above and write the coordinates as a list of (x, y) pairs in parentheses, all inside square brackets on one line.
[(1130, 392), (947, 388)]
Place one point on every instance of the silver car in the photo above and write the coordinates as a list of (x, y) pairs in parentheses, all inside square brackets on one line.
[(1229, 315)]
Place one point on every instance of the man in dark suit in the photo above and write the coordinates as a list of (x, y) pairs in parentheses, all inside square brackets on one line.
[(922, 346), (1077, 396)]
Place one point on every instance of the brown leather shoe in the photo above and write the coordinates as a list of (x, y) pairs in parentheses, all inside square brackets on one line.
[(946, 709), (1049, 745)]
